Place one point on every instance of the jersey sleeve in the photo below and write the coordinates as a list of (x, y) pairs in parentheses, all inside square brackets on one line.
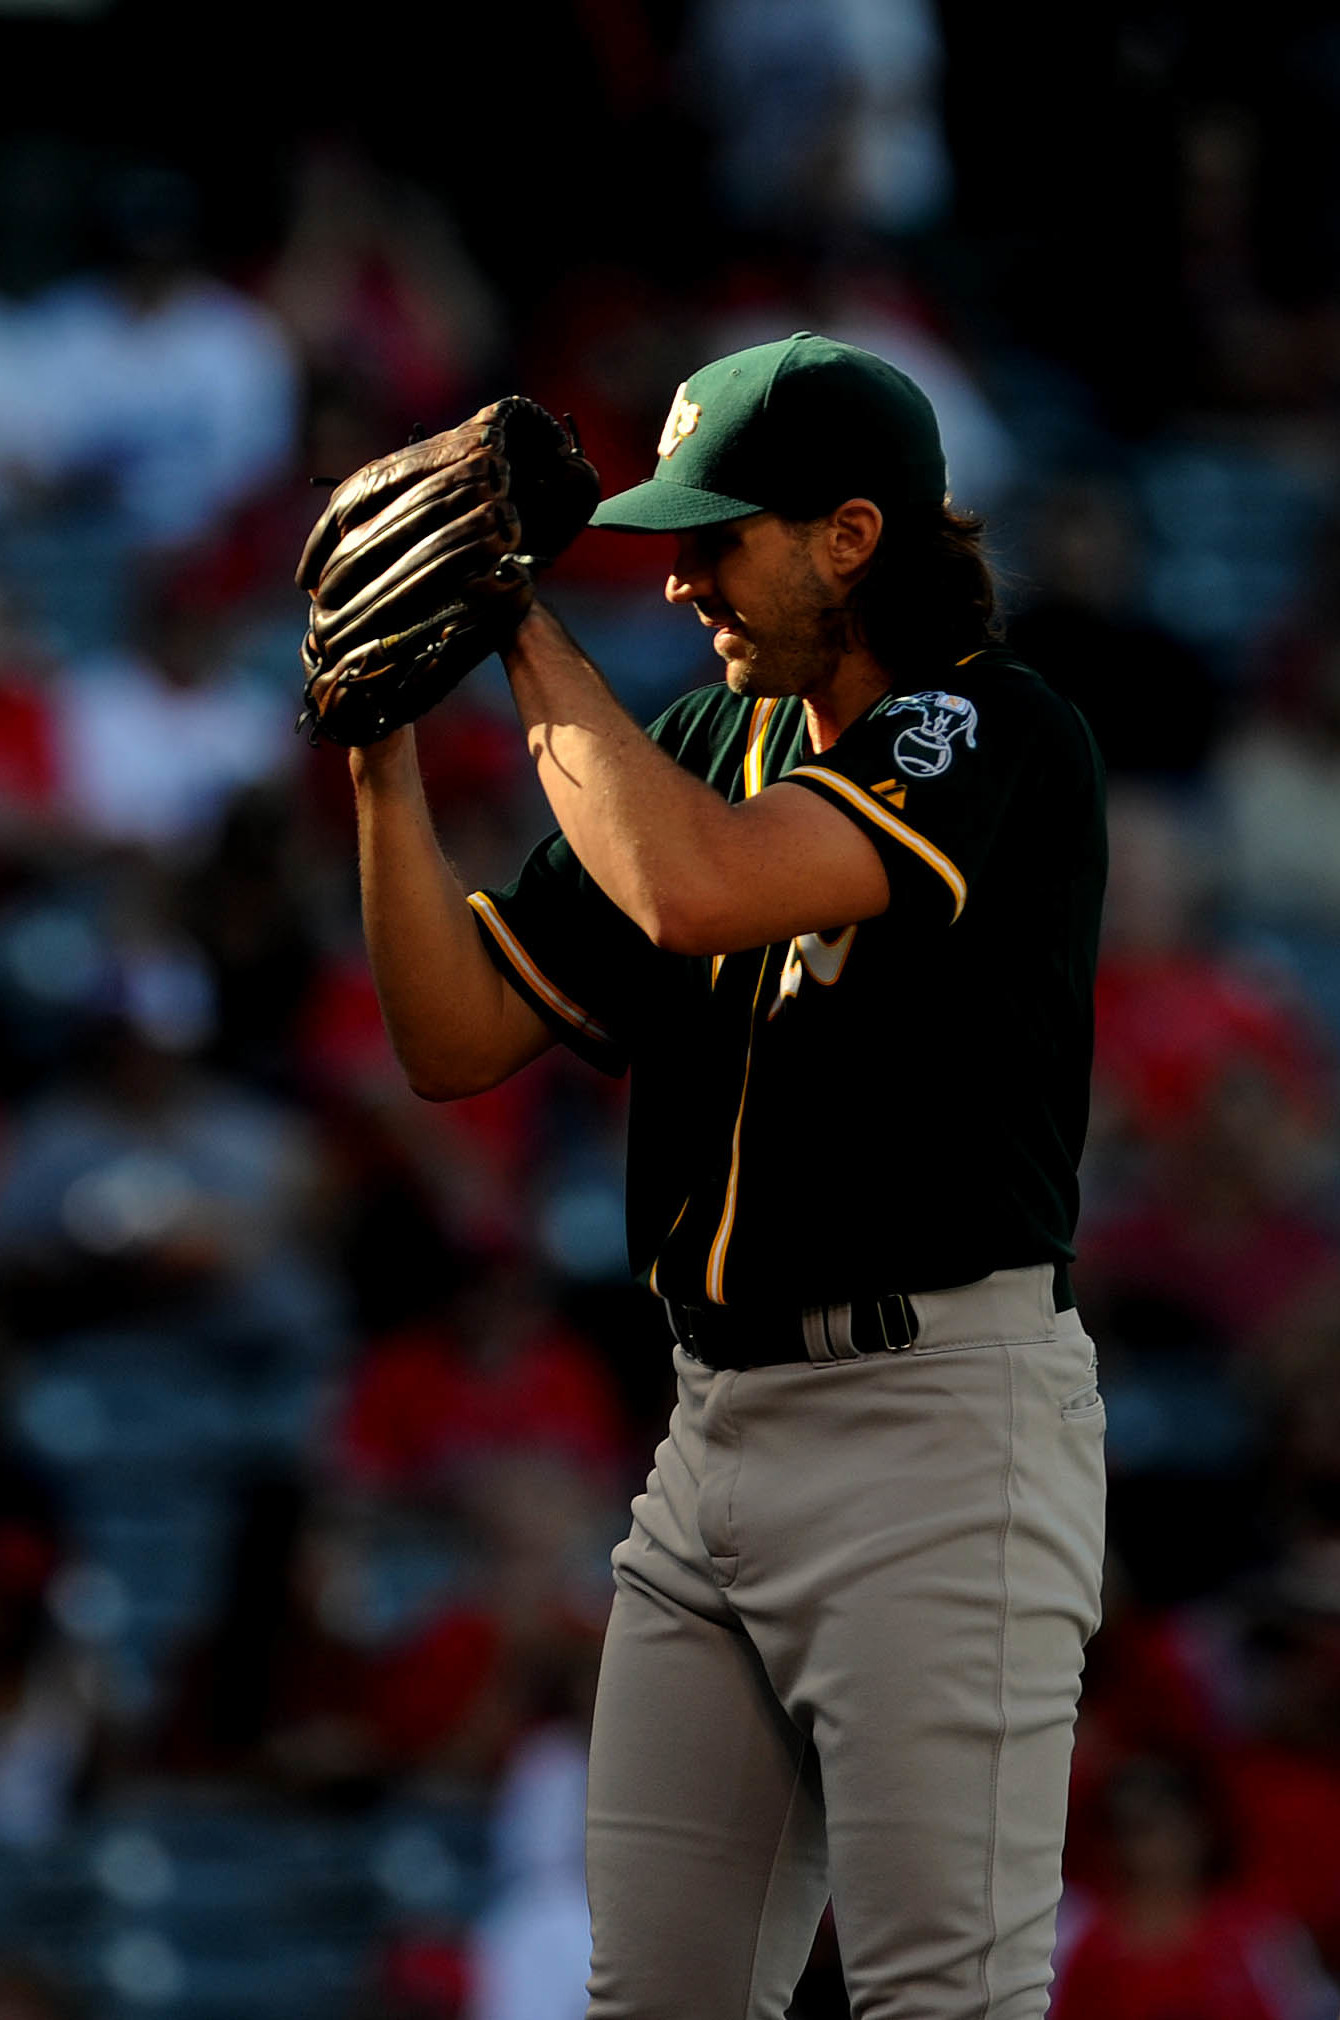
[(568, 951), (590, 972), (931, 777)]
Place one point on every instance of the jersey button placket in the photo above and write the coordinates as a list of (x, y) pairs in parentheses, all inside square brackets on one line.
[(717, 1254), (721, 1469)]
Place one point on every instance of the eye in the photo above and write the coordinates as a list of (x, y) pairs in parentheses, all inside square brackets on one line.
[(717, 540)]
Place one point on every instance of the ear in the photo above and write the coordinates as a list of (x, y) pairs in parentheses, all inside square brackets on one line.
[(852, 536)]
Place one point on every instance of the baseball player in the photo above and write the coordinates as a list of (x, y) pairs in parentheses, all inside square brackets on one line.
[(837, 915)]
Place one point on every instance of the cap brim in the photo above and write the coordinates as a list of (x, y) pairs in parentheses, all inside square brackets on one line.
[(665, 507)]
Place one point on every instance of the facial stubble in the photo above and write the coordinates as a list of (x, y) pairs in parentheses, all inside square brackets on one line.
[(805, 639)]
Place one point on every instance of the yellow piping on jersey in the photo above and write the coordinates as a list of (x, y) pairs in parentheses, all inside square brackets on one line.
[(651, 1278), (716, 1260), (753, 771), (753, 755), (900, 831), (526, 968)]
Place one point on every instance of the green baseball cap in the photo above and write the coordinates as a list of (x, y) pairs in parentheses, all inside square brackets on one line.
[(794, 427)]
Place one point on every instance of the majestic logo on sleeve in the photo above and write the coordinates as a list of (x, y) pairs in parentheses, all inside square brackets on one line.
[(925, 748), (682, 419)]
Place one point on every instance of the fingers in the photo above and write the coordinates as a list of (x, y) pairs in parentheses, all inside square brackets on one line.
[(435, 505), (383, 682), (470, 455), (431, 574), (554, 488), (412, 567)]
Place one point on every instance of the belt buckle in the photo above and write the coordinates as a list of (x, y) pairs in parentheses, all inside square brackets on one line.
[(857, 1330), (814, 1338), (895, 1306)]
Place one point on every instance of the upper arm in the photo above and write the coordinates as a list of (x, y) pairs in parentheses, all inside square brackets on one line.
[(571, 967), (520, 1035), (783, 863), (505, 1036), (936, 781), (904, 811)]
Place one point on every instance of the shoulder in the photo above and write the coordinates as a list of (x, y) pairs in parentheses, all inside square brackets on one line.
[(996, 701), (993, 678), (1041, 706), (992, 691)]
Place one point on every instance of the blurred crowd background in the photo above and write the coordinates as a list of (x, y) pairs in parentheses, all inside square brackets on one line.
[(321, 1406)]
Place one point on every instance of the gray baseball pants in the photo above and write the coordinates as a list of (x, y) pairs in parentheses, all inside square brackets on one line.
[(844, 1658)]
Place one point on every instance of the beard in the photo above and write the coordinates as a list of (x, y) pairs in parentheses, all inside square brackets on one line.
[(796, 649)]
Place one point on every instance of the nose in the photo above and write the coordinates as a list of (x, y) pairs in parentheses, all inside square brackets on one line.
[(689, 579)]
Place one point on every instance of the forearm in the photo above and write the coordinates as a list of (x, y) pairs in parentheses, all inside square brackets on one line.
[(653, 836), (455, 1025)]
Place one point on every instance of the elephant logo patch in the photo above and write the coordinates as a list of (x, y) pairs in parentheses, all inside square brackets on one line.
[(924, 749)]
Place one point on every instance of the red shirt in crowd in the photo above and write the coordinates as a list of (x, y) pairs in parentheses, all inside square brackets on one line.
[(421, 1404), (1288, 1812), (1234, 1959)]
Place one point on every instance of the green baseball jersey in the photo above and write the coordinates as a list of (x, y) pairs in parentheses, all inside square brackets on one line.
[(899, 1105)]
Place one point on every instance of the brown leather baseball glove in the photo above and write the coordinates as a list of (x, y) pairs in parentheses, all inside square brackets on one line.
[(421, 564)]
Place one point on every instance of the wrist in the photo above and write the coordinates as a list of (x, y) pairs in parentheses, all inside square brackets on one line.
[(536, 626), (392, 763)]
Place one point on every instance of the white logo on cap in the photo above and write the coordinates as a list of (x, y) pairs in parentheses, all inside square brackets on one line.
[(682, 419)]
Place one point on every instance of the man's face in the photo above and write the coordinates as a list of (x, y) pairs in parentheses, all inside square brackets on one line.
[(757, 582)]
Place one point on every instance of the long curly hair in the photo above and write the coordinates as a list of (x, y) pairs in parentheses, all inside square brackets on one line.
[(928, 596)]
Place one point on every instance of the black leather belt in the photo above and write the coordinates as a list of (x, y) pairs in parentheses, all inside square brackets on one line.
[(754, 1336)]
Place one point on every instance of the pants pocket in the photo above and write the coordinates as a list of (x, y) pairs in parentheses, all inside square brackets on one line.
[(1084, 1401)]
